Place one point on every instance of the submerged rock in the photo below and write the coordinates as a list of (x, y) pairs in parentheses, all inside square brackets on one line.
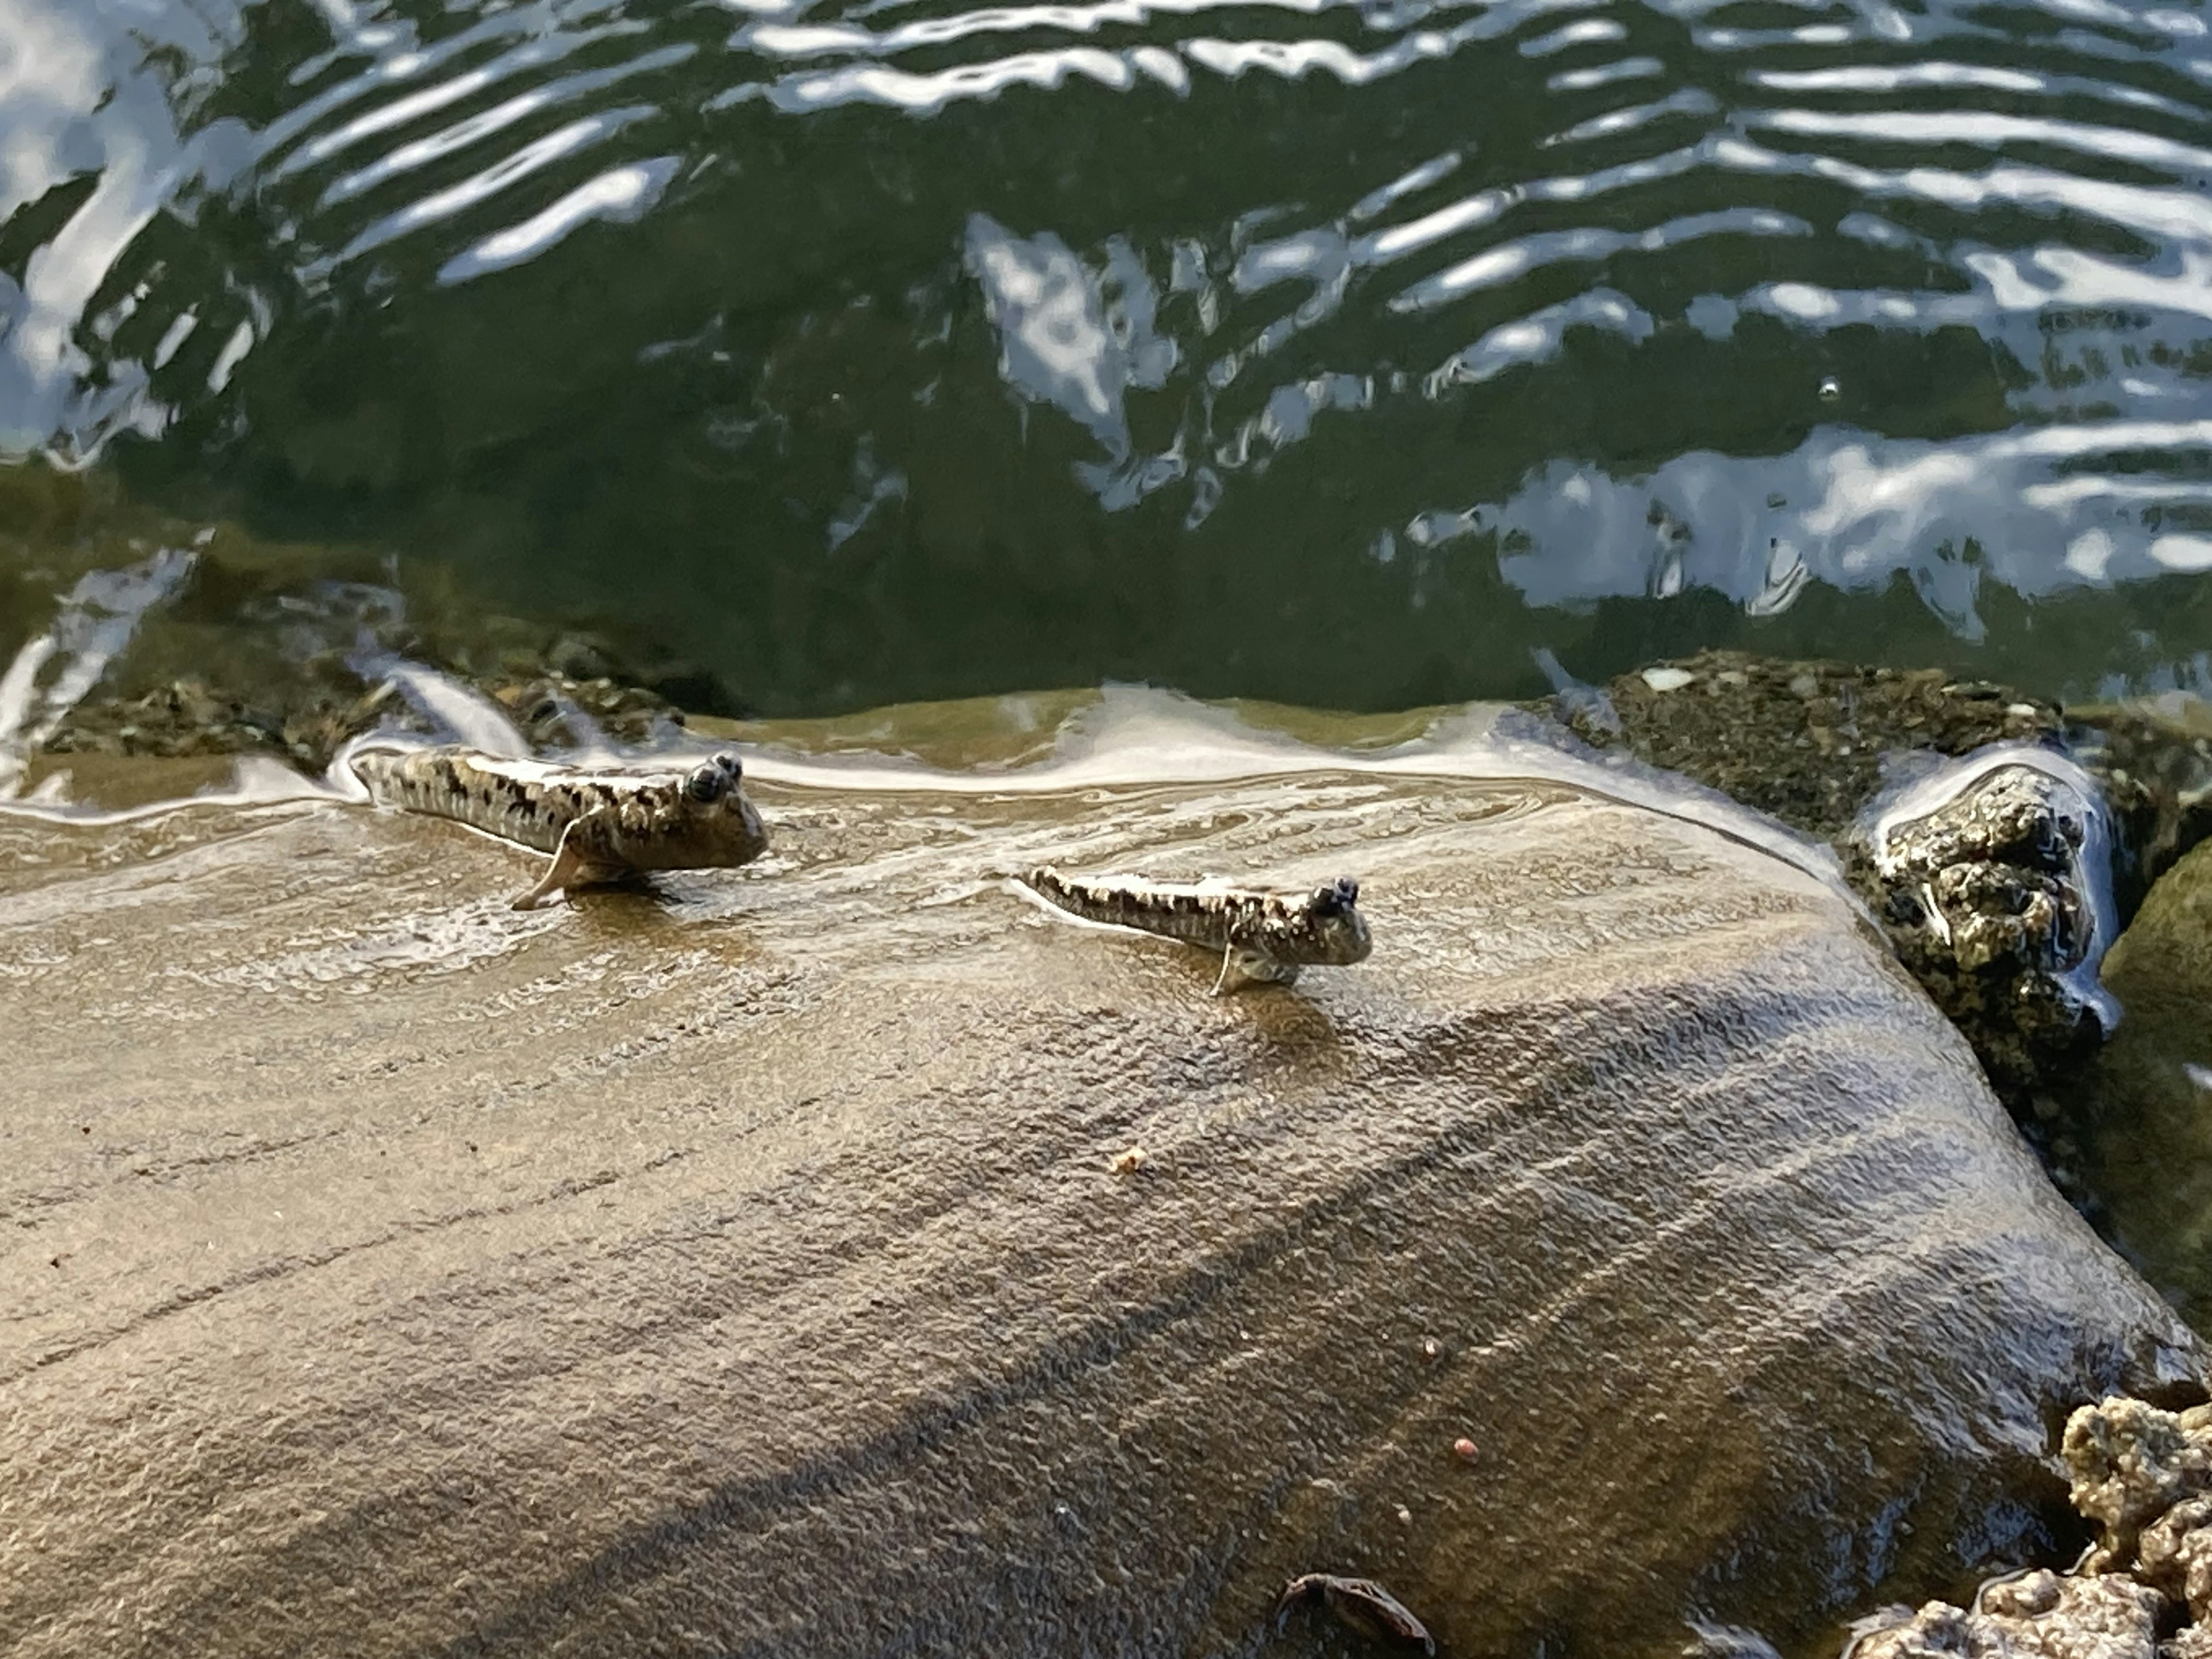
[(309, 722), (1626, 1249), (246, 651), (2147, 1096)]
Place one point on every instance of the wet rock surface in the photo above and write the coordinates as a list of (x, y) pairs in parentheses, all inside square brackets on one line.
[(1993, 880), (1627, 1246)]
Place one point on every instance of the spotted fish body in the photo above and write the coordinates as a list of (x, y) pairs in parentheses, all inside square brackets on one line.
[(598, 823), (1263, 937)]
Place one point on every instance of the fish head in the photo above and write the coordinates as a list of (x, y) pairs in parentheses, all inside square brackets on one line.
[(1333, 913), (718, 820)]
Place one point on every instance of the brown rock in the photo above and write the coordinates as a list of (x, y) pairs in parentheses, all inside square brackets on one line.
[(736, 1270)]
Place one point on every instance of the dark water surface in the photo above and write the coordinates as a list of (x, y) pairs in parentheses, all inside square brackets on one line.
[(1360, 353)]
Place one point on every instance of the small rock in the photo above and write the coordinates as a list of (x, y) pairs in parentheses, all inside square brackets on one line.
[(1362, 1605), (2130, 1463), (1938, 1629), (2175, 1554), (1728, 1642), (2038, 1615)]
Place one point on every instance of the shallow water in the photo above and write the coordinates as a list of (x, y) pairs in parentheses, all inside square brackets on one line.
[(1357, 355)]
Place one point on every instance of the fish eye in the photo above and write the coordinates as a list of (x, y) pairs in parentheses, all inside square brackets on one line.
[(1339, 895), (705, 785), (731, 764)]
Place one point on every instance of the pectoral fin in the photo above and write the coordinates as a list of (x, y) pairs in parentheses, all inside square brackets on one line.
[(1241, 966), (569, 869)]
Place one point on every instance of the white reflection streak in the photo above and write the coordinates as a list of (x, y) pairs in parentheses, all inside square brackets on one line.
[(483, 124), (1295, 59), (1689, 101), (1628, 69), (1432, 171), (1590, 32), (2164, 215), (1497, 265), (815, 40), (1861, 77), (541, 152), (1988, 131), (96, 620), (1537, 338), (2069, 492), (621, 196), (233, 353), (927, 93), (1384, 247), (428, 101), (924, 94)]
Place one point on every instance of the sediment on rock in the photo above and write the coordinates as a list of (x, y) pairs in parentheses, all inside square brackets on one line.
[(1802, 741), (247, 654), (309, 723), (1988, 903)]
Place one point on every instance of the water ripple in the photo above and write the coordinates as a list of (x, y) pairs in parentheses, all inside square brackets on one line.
[(1557, 301)]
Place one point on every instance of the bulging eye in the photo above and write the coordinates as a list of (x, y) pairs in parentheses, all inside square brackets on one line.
[(707, 784), (731, 764), (1337, 897)]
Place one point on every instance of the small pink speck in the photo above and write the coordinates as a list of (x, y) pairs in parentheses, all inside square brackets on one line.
[(1465, 1450)]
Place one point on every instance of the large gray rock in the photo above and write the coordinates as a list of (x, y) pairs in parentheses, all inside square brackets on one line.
[(747, 1271)]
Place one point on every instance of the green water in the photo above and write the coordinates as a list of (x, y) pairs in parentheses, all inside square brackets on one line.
[(1353, 355)]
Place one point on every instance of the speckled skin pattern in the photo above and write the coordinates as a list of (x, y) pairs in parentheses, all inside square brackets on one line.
[(600, 822), (1264, 937)]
